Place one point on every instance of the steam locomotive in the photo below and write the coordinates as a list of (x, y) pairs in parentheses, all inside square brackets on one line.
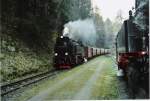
[(69, 53), (132, 55)]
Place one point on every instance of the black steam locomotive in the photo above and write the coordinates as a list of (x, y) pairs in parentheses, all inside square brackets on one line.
[(132, 51), (69, 53)]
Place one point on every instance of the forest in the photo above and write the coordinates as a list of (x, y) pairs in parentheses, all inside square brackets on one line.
[(29, 29)]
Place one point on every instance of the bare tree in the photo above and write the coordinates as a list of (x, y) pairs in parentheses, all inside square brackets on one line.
[(119, 16)]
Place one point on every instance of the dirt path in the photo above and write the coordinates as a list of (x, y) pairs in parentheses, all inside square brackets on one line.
[(85, 92)]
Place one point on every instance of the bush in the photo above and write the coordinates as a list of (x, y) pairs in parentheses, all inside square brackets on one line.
[(19, 64)]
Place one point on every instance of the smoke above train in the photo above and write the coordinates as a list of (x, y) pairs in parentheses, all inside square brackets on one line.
[(81, 30)]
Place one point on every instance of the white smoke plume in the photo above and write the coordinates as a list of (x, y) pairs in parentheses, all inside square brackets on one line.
[(81, 30)]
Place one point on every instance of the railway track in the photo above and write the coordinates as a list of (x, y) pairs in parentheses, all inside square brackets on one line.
[(13, 86)]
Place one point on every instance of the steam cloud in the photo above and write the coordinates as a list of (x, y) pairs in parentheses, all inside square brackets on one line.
[(81, 30)]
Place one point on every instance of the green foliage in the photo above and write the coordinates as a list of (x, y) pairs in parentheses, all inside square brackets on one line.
[(18, 60), (16, 65), (74, 9), (31, 22)]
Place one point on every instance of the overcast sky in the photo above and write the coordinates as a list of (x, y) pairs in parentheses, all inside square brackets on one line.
[(109, 8)]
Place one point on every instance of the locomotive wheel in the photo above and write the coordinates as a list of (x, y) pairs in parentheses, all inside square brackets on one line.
[(133, 80)]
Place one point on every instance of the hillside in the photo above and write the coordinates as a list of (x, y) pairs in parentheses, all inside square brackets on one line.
[(29, 30)]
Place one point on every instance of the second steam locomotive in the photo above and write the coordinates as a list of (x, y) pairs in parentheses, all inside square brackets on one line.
[(132, 52)]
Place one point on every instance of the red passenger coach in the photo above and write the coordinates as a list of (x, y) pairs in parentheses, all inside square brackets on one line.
[(90, 52)]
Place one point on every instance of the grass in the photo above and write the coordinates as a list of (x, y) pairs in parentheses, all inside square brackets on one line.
[(17, 65), (106, 86)]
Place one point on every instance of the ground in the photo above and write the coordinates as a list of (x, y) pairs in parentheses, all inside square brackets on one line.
[(94, 80)]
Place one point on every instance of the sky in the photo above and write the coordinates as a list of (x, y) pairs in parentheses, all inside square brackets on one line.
[(109, 8)]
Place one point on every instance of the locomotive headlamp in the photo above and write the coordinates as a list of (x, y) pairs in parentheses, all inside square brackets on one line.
[(56, 54), (66, 53), (61, 36), (143, 53)]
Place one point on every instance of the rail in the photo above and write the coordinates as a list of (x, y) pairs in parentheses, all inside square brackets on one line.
[(13, 86)]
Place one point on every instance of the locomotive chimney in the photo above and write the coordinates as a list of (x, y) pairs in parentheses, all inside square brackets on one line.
[(130, 14)]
